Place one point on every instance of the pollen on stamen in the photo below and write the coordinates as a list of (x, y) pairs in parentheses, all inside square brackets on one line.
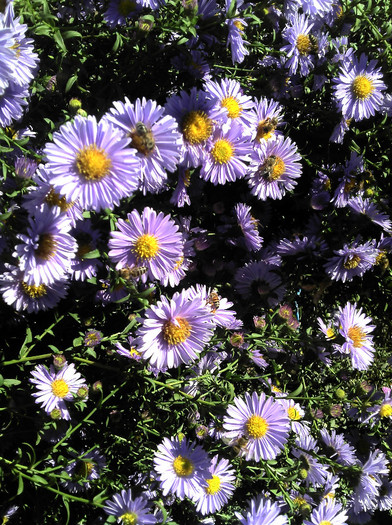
[(352, 262), (256, 426), (47, 247), (35, 292), (55, 199), (59, 388), (362, 87), (357, 335), (222, 151), (146, 247), (183, 466), (233, 107), (293, 414), (176, 333), (303, 44), (93, 163), (196, 127)]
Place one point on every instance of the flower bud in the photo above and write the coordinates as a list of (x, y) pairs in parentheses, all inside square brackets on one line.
[(74, 104), (81, 112), (340, 393), (55, 414), (82, 392), (303, 473), (59, 361)]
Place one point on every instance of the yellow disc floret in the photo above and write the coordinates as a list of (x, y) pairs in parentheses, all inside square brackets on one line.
[(232, 106), (93, 163), (47, 247), (362, 87), (176, 332), (293, 414), (304, 45), (278, 169), (146, 247), (129, 518), (60, 388), (183, 466), (35, 292), (386, 410), (222, 151), (55, 199), (213, 485), (357, 335), (256, 426), (196, 127), (325, 522), (352, 262)]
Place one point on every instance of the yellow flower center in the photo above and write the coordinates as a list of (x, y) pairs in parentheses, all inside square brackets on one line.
[(134, 353), (60, 388), (357, 335), (304, 45), (274, 167), (54, 199), (183, 466), (222, 151), (129, 518), (293, 414), (196, 127), (125, 7), (47, 247), (352, 262), (176, 333), (232, 106), (386, 410), (362, 87), (146, 247), (325, 522), (93, 163), (330, 333), (298, 501), (213, 485), (239, 25), (35, 292), (256, 426)]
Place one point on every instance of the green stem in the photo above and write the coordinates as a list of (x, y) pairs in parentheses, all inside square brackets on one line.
[(40, 337), (95, 363), (183, 394), (24, 359)]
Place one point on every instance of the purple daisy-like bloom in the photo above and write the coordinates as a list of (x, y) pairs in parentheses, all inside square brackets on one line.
[(128, 510), (312, 471), (312, 245), (91, 163), (351, 261), (155, 137), (226, 154), (180, 195), (47, 250), (259, 279), (131, 352), (25, 167), (358, 88), (349, 183), (55, 388), (262, 511), (228, 94), (12, 101), (261, 421), (175, 331), (119, 12), (149, 240), (329, 511), (368, 487), (217, 489), (267, 117), (22, 296), (84, 470), (7, 57), (300, 50), (369, 209), (182, 466), (236, 40), (355, 327), (295, 413), (249, 227), (338, 449), (273, 168), (196, 115)]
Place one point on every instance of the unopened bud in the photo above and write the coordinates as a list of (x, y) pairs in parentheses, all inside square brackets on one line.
[(59, 361), (74, 104), (335, 410), (340, 393), (180, 436), (237, 339), (55, 414), (303, 473), (97, 386), (81, 112), (82, 392)]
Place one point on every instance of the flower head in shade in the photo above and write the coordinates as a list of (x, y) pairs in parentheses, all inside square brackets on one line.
[(92, 338), (262, 422), (355, 327), (47, 250), (195, 114), (228, 94), (259, 280), (128, 510), (337, 448), (90, 163), (119, 12), (262, 511), (148, 240), (55, 388), (84, 470), (249, 227), (180, 195), (12, 102), (22, 296), (182, 466), (226, 154), (274, 166), (312, 471), (369, 209), (131, 352), (235, 39), (329, 511), (349, 184), (351, 261), (267, 117), (217, 488), (174, 331), (155, 137), (25, 167), (359, 88), (367, 489)]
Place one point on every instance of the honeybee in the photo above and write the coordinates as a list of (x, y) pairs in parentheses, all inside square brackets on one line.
[(240, 445), (142, 138), (128, 273), (213, 301), (314, 44), (267, 168), (266, 126)]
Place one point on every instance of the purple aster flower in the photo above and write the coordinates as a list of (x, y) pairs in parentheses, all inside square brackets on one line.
[(131, 352), (249, 227), (154, 135), (196, 115), (55, 388), (337, 448), (385, 497), (182, 466), (349, 183), (355, 327), (258, 358), (25, 167), (87, 239), (119, 12), (149, 240), (12, 100), (262, 511), (368, 487), (262, 422), (226, 154), (194, 62), (329, 511), (7, 57), (128, 510), (110, 293), (92, 338), (383, 410), (259, 280), (22, 296), (180, 195), (369, 208), (274, 166), (217, 489), (358, 88), (312, 471), (228, 94), (236, 40), (351, 261), (267, 116), (295, 413), (175, 331), (84, 470), (47, 250), (316, 7), (90, 163), (312, 245)]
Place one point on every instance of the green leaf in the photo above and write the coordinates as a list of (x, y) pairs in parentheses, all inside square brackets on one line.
[(71, 34), (70, 82), (11, 382), (59, 41), (91, 255), (20, 485)]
